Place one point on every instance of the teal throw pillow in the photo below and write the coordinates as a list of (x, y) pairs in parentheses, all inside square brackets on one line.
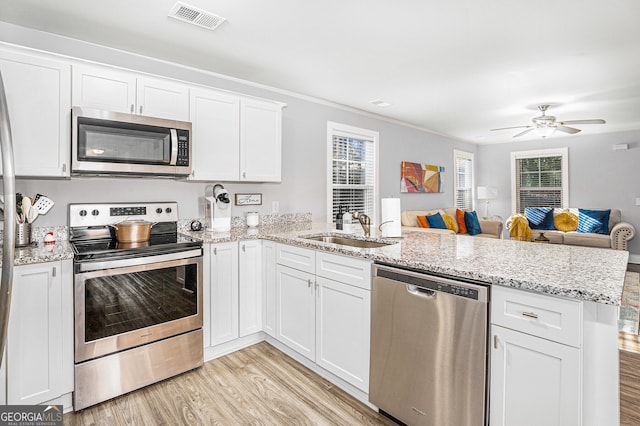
[(472, 222), (593, 221), (436, 221), (540, 217)]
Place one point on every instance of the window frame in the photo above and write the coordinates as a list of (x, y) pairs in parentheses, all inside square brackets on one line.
[(539, 153), (465, 155), (344, 130)]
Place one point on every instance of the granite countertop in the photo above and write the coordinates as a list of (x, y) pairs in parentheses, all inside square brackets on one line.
[(580, 273)]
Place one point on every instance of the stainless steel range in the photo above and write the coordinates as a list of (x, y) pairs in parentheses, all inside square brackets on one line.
[(138, 305)]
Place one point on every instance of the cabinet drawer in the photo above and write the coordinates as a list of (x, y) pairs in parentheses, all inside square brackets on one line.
[(344, 269), (552, 318), (296, 257)]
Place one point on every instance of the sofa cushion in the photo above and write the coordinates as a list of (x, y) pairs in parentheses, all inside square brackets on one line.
[(462, 227), (436, 221), (473, 225), (555, 237), (539, 217), (565, 221), (593, 221), (423, 222), (410, 217), (614, 217), (450, 222), (587, 239)]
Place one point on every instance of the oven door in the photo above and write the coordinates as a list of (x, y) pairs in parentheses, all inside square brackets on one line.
[(127, 306)]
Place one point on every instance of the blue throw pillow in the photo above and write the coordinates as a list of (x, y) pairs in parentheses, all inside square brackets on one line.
[(472, 222), (594, 221), (436, 221), (540, 217)]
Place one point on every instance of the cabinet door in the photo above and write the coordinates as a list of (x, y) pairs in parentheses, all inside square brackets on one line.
[(533, 381), (104, 88), (224, 293), (215, 118), (39, 105), (162, 98), (296, 310), (35, 338), (250, 288), (343, 314), (260, 141), (269, 291)]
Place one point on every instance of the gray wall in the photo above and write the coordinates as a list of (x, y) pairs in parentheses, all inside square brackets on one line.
[(599, 176), (304, 180)]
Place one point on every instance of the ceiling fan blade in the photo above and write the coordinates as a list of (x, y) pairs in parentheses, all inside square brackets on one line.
[(566, 129), (506, 128), (592, 121), (525, 132)]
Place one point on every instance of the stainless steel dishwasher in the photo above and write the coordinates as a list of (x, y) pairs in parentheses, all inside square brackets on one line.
[(429, 348)]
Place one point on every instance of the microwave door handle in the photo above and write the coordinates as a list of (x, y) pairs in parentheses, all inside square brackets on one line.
[(174, 147)]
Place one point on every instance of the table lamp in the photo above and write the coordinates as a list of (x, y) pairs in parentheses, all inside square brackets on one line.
[(487, 193)]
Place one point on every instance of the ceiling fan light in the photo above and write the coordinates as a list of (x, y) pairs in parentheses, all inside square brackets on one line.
[(545, 131)]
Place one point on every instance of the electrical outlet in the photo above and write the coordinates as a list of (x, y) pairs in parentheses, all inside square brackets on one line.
[(275, 206), (637, 201)]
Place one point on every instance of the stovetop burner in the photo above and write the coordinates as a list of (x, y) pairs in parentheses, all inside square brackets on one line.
[(109, 248)]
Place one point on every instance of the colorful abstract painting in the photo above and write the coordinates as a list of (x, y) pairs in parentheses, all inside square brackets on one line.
[(416, 177)]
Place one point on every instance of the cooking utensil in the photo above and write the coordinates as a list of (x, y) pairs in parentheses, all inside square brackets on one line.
[(133, 231), (42, 203), (26, 208)]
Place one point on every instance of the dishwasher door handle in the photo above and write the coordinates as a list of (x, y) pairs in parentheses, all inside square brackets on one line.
[(421, 292)]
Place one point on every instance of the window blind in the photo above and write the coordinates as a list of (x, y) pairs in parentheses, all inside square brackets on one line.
[(463, 165), (539, 182), (353, 180)]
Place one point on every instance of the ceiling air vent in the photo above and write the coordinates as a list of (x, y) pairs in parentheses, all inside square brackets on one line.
[(193, 15)]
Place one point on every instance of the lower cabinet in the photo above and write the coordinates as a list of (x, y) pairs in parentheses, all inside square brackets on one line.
[(269, 287), (250, 287), (533, 381), (39, 352), (325, 315)]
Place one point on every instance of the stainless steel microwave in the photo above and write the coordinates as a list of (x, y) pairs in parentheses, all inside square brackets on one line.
[(114, 143)]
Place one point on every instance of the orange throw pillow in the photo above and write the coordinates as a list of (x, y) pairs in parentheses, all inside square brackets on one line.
[(423, 222), (462, 227)]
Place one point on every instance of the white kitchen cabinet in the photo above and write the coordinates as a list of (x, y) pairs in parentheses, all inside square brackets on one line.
[(250, 287), (38, 91), (260, 141), (40, 335), (269, 288), (296, 305), (215, 118), (111, 89), (343, 316), (323, 310), (223, 297), (235, 138), (534, 381)]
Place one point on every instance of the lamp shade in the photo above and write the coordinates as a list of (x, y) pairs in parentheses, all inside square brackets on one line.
[(487, 193)]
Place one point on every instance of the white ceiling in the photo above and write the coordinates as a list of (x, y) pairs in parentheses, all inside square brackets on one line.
[(457, 67)]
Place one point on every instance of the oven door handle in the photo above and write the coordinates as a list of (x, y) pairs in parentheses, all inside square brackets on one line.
[(136, 261)]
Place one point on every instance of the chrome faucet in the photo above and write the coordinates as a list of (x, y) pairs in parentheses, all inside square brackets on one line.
[(365, 222)]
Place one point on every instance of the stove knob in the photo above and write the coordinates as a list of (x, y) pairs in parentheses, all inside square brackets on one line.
[(168, 210), (158, 210), (95, 212), (83, 213)]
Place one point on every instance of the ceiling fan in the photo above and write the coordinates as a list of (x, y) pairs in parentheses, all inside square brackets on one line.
[(545, 124)]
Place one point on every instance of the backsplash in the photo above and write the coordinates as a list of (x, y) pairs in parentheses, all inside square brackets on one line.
[(265, 220)]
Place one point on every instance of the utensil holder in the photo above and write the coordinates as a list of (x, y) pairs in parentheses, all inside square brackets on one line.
[(23, 234)]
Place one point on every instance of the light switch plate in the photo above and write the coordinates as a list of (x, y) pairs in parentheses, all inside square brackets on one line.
[(275, 206), (637, 201)]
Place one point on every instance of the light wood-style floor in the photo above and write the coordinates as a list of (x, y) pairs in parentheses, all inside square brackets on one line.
[(258, 385)]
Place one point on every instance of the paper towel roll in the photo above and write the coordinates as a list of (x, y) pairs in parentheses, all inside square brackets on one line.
[(390, 213)]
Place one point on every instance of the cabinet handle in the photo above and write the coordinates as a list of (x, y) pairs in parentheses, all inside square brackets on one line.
[(53, 272), (317, 285), (140, 109), (244, 175), (495, 341), (132, 108), (64, 167), (530, 315), (215, 251), (244, 247), (309, 283)]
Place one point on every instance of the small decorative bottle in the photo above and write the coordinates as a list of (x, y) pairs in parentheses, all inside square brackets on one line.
[(339, 218)]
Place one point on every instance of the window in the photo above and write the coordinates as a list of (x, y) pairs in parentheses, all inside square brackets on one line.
[(352, 164), (463, 179), (540, 179)]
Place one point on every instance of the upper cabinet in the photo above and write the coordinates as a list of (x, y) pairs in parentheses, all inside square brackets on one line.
[(121, 91), (38, 91), (235, 138)]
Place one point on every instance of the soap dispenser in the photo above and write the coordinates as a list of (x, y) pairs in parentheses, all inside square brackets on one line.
[(346, 220), (339, 218)]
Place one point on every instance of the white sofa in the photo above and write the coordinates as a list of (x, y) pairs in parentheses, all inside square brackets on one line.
[(490, 228), (619, 233)]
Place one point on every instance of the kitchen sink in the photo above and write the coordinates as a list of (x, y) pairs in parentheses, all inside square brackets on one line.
[(346, 241)]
